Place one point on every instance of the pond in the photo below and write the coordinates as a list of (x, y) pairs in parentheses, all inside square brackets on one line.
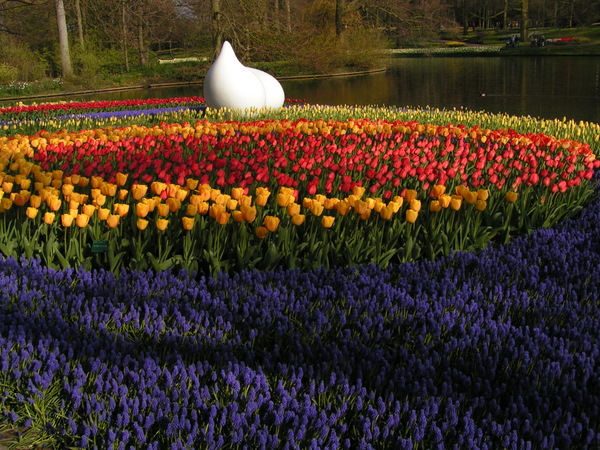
[(545, 87)]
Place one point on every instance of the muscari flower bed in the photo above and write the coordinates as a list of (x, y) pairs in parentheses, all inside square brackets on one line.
[(495, 347)]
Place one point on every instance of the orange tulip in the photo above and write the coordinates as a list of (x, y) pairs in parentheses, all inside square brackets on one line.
[(108, 189), (480, 205), (249, 213), (191, 210), (66, 220), (7, 187), (75, 178), (31, 212), (445, 200), (411, 216), (157, 187), (96, 182), (366, 214), (410, 194), (271, 223), (121, 179), (435, 206), (331, 203), (215, 210), (511, 197), (138, 191), (162, 224), (483, 194), (237, 192), (327, 221), (49, 218), (54, 203), (67, 189), (437, 190), (360, 207), (223, 217), (237, 215), (316, 208), (395, 206), (398, 199), (20, 199), (245, 200), (141, 224), (103, 213), (162, 209), (293, 209), (82, 220), (203, 208), (298, 219), (83, 182), (100, 200), (231, 204), (342, 207), (358, 191), (195, 199), (191, 183), (121, 209), (455, 202), (386, 213), (113, 220), (187, 223), (470, 197), (261, 199), (142, 209), (284, 199), (415, 205), (173, 203), (261, 232), (88, 209), (123, 194), (181, 194)]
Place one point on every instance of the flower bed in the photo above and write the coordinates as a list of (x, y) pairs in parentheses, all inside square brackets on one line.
[(496, 347)]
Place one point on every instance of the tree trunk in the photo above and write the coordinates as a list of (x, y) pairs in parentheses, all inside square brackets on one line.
[(124, 37), (79, 23), (288, 15), (339, 15), (524, 19), (505, 15), (217, 30), (142, 45), (63, 40)]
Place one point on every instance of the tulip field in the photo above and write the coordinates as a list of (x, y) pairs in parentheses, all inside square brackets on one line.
[(307, 277)]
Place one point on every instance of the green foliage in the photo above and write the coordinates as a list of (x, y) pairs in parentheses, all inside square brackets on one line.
[(8, 73), (28, 64)]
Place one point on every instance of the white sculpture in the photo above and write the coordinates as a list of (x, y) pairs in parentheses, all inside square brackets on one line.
[(230, 84)]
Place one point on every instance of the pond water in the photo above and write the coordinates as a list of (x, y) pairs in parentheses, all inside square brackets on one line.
[(546, 87)]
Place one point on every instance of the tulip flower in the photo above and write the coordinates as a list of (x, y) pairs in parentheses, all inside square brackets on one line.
[(138, 191), (187, 223), (162, 224), (223, 217), (435, 206), (142, 209), (173, 203), (411, 215), (455, 202), (66, 220), (261, 232), (437, 190), (238, 216), (162, 209), (386, 213), (415, 205), (248, 212), (88, 209), (122, 194), (35, 201), (483, 194), (31, 212), (342, 207), (121, 209), (82, 220), (121, 179), (271, 223), (298, 219), (292, 209), (103, 213), (113, 220), (49, 218), (511, 197), (410, 194), (445, 200), (480, 205), (327, 221), (141, 224), (358, 191), (261, 199)]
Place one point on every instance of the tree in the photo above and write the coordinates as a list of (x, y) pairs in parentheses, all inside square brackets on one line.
[(524, 19), (63, 40)]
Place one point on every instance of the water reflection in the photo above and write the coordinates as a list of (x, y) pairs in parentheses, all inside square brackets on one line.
[(546, 87)]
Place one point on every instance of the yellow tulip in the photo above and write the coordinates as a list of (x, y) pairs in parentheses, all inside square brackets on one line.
[(316, 208), (108, 189), (157, 187), (88, 209), (470, 197), (82, 220), (455, 202), (100, 200), (445, 200), (395, 206), (358, 191), (103, 213), (173, 203), (7, 187), (162, 224), (191, 183), (261, 199), (245, 200), (162, 209), (249, 213), (327, 221), (191, 210), (237, 215), (261, 232), (284, 199), (342, 207), (435, 206), (66, 220), (231, 204), (67, 189), (181, 194), (188, 223), (142, 224), (113, 220), (223, 217), (483, 194), (415, 205), (480, 205), (215, 209), (410, 194), (298, 219), (142, 209), (121, 179), (49, 218), (121, 209), (123, 194), (437, 190), (386, 213), (203, 208), (366, 214), (511, 197), (138, 191), (360, 207), (31, 212), (411, 215), (271, 223), (293, 209)]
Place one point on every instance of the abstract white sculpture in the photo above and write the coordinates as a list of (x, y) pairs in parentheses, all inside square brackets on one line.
[(230, 84)]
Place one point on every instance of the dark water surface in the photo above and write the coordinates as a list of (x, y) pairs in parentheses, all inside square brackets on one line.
[(546, 87)]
